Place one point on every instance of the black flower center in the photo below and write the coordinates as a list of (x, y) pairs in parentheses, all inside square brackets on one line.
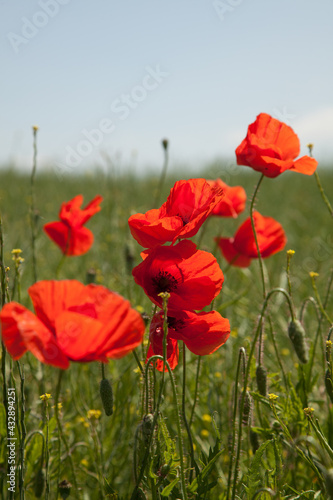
[(175, 324), (164, 282)]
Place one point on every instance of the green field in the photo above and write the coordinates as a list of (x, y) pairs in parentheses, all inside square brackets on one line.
[(282, 452)]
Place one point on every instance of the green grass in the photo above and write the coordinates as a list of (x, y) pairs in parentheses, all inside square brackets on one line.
[(293, 456)]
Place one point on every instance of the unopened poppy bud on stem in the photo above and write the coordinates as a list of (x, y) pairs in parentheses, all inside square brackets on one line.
[(39, 483), (261, 376), (165, 144), (297, 335), (105, 390), (64, 489)]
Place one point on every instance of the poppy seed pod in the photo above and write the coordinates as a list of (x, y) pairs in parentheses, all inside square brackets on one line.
[(296, 334), (39, 483), (254, 440), (247, 408), (261, 376), (105, 390)]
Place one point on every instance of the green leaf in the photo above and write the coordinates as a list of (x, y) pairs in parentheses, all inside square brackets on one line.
[(201, 477), (168, 489)]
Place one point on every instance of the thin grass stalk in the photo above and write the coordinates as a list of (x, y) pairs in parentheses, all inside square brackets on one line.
[(319, 302), (188, 430), (23, 433), (62, 436), (165, 296), (241, 360), (247, 373), (255, 234), (3, 301), (196, 390), (33, 205), (320, 319), (323, 195)]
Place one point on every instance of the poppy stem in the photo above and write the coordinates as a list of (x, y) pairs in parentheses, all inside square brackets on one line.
[(320, 319), (255, 234), (195, 398), (61, 434), (163, 173), (32, 206), (323, 195), (246, 378), (188, 430), (23, 432), (61, 263), (241, 359)]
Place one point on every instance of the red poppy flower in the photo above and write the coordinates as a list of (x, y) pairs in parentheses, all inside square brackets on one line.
[(233, 202), (73, 322), (192, 277), (202, 333), (69, 233), (242, 248), (271, 147), (187, 207)]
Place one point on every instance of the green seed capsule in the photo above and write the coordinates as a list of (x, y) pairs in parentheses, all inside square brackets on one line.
[(254, 440), (297, 336), (105, 390), (261, 376), (39, 483), (247, 408), (64, 489), (329, 384)]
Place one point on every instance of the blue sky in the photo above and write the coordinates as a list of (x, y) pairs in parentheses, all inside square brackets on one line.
[(114, 78)]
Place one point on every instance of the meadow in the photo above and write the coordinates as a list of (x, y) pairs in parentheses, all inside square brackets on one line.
[(223, 432)]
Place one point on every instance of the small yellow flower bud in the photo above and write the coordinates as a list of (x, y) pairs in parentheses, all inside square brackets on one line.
[(308, 411), (206, 418), (35, 128), (45, 397), (313, 274), (272, 397), (94, 414), (310, 147), (290, 253)]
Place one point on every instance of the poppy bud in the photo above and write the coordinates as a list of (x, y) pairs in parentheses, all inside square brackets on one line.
[(147, 426), (91, 276), (329, 384), (297, 336), (254, 440), (64, 489), (247, 408), (165, 144), (261, 376), (105, 390), (129, 257), (39, 483)]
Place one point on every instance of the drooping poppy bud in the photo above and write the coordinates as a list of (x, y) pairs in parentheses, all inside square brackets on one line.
[(105, 390), (261, 377), (297, 335)]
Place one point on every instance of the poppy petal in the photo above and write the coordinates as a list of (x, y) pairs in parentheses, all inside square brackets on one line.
[(22, 331), (51, 298), (203, 333), (271, 147), (229, 252)]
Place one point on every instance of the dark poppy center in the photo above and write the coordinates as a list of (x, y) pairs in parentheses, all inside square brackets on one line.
[(164, 282), (184, 218), (175, 324)]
